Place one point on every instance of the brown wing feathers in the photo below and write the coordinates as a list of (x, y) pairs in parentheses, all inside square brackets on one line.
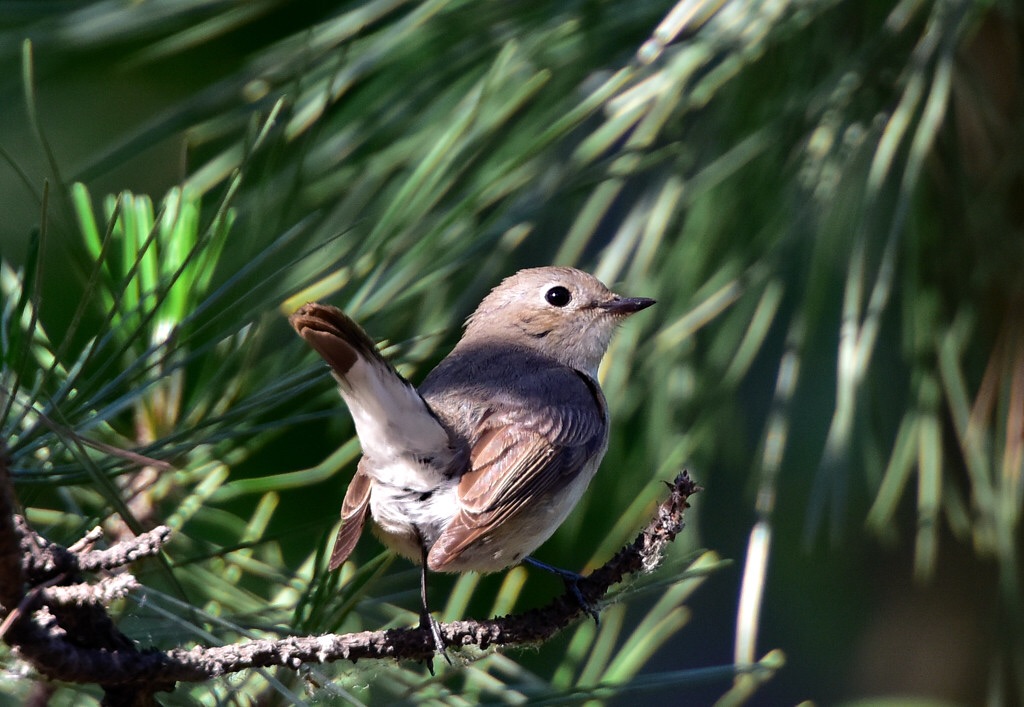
[(353, 516), (512, 465)]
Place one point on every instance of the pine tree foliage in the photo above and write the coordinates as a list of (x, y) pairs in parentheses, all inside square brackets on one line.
[(823, 197)]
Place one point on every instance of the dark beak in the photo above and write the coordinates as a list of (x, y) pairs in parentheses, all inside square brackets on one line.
[(625, 305)]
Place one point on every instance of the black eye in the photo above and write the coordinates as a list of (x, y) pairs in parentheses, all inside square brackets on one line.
[(558, 296)]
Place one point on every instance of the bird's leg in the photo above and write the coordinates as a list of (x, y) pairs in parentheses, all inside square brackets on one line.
[(571, 579), (427, 621)]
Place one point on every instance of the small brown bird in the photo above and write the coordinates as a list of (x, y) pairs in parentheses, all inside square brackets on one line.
[(480, 466)]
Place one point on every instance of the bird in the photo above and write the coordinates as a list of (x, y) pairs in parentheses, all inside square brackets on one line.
[(479, 466)]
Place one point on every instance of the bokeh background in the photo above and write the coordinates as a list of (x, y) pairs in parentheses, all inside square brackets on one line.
[(825, 198)]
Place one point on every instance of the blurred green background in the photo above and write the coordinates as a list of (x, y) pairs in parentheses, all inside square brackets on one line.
[(825, 198)]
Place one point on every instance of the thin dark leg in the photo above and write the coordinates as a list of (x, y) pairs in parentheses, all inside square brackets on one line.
[(572, 583), (426, 620)]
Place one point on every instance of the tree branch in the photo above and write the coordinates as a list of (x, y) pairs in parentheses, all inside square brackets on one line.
[(61, 627), (12, 584)]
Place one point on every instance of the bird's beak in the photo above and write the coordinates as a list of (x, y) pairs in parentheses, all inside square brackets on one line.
[(625, 305)]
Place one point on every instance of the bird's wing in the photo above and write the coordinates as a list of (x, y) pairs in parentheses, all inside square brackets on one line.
[(518, 456), (392, 420), (353, 516)]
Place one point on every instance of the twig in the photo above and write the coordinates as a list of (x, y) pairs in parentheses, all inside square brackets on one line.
[(43, 559)]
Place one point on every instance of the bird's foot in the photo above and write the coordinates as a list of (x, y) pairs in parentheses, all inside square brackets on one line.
[(429, 623), (572, 583)]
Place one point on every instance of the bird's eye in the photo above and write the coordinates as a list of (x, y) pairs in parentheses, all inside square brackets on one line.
[(558, 296)]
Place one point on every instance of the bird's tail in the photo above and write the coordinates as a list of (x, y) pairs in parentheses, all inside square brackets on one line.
[(396, 427)]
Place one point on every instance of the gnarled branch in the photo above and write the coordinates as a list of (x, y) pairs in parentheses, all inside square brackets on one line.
[(61, 627)]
